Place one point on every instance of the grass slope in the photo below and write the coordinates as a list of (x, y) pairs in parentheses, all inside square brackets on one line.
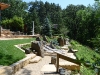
[(85, 54), (9, 53)]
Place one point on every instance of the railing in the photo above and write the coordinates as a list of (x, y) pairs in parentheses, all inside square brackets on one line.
[(59, 55)]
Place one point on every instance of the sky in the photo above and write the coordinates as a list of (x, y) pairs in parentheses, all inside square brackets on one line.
[(64, 3)]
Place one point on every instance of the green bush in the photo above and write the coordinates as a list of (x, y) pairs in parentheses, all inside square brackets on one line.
[(14, 24), (26, 46)]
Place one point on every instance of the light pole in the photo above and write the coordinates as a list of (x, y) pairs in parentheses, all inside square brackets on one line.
[(0, 20), (33, 29)]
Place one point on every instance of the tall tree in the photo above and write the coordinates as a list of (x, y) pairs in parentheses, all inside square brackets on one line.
[(17, 7), (46, 28), (71, 20)]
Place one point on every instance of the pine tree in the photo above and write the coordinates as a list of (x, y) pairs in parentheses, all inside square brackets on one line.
[(46, 28)]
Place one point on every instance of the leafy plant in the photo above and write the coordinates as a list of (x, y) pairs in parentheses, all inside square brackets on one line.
[(26, 46)]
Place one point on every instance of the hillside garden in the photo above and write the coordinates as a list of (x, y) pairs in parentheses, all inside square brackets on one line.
[(78, 22)]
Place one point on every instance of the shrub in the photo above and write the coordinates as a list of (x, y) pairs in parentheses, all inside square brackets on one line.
[(14, 24)]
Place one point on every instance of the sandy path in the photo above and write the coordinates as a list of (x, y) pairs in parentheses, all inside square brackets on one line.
[(35, 68), (11, 38)]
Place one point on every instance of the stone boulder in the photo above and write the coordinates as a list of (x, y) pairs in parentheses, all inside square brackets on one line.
[(38, 47), (36, 59), (44, 42), (27, 51), (38, 39), (45, 38), (51, 45)]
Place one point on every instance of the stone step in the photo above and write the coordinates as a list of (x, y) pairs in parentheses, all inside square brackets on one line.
[(36, 59), (21, 63), (48, 68), (75, 50), (71, 55), (65, 47), (69, 65), (1, 66)]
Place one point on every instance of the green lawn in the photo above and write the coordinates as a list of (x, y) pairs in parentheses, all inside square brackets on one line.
[(9, 53), (85, 54)]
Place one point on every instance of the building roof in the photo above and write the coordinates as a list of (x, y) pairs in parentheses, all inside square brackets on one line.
[(3, 6)]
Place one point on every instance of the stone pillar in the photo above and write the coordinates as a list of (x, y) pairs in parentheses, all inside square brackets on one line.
[(0, 30), (33, 29), (53, 60), (0, 21)]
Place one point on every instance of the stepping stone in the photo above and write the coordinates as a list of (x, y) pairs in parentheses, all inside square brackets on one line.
[(1, 66), (71, 55), (49, 68), (75, 50), (65, 47), (69, 65), (30, 55), (36, 59)]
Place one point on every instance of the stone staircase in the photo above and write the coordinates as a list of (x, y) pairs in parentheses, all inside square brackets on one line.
[(6, 33), (30, 58)]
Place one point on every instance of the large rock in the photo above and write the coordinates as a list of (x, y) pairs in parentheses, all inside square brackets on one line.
[(51, 45), (27, 51), (38, 39), (45, 38), (38, 47), (6, 70), (36, 59)]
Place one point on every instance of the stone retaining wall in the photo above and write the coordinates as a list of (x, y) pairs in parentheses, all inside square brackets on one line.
[(20, 64)]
